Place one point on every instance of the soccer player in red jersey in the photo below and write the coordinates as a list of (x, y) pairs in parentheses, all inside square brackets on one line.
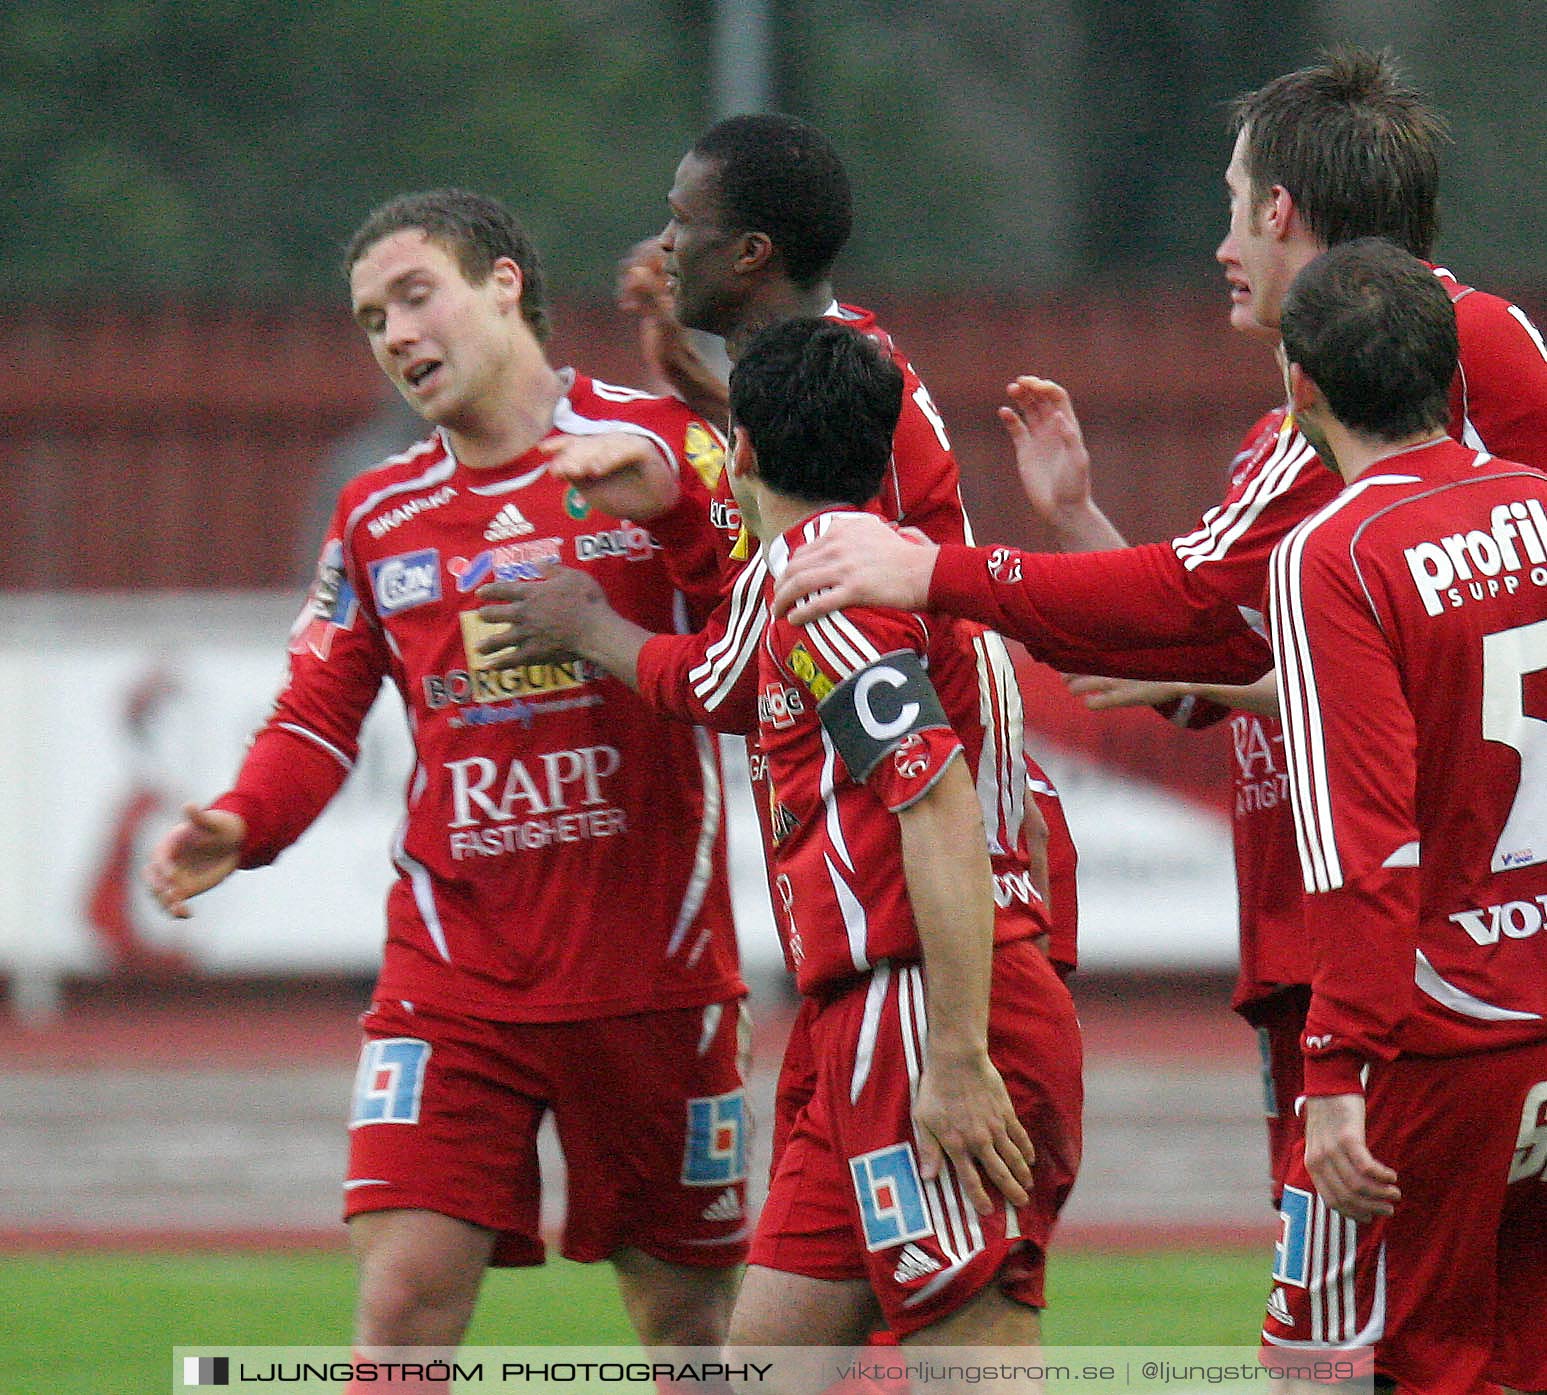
[(1331, 152), (759, 209), (543, 801), (946, 1047), (1409, 620)]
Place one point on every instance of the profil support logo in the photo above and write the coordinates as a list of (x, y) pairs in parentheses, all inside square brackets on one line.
[(1478, 565)]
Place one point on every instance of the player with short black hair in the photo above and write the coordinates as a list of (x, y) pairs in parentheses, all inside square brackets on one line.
[(945, 1047), (782, 395), (780, 176)]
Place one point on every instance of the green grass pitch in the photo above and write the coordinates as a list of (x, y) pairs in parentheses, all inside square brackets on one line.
[(86, 1324)]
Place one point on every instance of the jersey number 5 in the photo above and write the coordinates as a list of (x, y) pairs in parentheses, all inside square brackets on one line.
[(1508, 657)]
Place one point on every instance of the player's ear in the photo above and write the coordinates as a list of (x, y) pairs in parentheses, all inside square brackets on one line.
[(509, 282), (1303, 392), (755, 252), (1279, 213), (742, 459)]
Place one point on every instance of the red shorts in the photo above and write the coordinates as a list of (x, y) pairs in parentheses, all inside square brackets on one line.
[(649, 1110), (1279, 1021), (1452, 1289), (797, 1079), (846, 1201)]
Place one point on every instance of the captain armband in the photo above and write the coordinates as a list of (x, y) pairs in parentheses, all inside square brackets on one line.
[(871, 712)]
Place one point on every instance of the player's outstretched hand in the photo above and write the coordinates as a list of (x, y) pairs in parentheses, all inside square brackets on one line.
[(1054, 466), (1348, 1177), (1050, 453), (199, 852), (543, 621), (620, 473), (1101, 694), (859, 560), (963, 1112)]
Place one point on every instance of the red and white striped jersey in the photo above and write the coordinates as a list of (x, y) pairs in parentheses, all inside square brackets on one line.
[(842, 895), (561, 855), (710, 677), (1409, 618), (705, 677)]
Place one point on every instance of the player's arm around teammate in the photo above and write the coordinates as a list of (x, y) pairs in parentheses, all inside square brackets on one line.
[(922, 1176)]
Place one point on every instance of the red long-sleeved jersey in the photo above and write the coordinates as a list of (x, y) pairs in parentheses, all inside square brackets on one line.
[(710, 677), (1410, 624), (561, 855), (842, 897)]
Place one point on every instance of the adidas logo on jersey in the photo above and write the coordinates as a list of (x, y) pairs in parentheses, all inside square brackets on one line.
[(1278, 1308), (725, 1207), (508, 523), (914, 1264)]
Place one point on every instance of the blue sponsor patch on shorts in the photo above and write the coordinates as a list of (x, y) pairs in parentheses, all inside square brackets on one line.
[(389, 1081), (716, 1147), (891, 1196), (1292, 1251)]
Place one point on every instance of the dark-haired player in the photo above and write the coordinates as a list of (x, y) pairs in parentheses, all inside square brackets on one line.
[(946, 1049)]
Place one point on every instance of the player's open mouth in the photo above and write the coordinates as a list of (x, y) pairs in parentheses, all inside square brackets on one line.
[(416, 376)]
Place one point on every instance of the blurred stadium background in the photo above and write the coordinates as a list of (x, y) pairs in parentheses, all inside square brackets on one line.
[(1039, 188)]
